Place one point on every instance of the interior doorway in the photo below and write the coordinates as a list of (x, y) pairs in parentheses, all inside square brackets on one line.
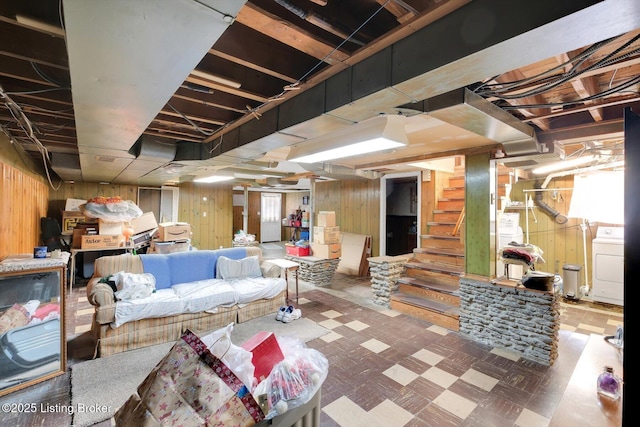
[(270, 217), (400, 213)]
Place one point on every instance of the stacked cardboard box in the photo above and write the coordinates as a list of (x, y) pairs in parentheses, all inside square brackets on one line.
[(326, 237), (70, 219), (110, 228), (174, 231)]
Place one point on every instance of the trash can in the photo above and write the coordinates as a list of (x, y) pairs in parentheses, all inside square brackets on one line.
[(571, 281)]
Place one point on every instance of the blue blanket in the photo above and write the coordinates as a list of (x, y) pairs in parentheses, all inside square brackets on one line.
[(184, 267)]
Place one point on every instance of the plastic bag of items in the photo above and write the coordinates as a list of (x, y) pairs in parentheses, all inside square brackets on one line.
[(111, 209), (293, 381), (244, 238)]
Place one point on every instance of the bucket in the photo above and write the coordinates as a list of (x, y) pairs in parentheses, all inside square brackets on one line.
[(40, 252)]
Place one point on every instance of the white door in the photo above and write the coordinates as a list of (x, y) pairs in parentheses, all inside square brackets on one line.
[(270, 217)]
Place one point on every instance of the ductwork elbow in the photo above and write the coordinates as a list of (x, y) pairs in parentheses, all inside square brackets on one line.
[(557, 216)]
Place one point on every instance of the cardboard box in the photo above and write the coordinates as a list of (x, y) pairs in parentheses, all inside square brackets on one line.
[(296, 250), (326, 235), (265, 353), (97, 241), (71, 218), (81, 229), (145, 222), (170, 231), (326, 219), (169, 247), (330, 251), (110, 228)]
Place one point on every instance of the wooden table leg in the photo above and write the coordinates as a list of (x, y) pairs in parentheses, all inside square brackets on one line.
[(286, 280), (294, 270)]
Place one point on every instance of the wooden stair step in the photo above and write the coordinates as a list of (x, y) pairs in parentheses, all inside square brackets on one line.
[(430, 240), (437, 236), (432, 266), (440, 314), (440, 251), (427, 303), (439, 287)]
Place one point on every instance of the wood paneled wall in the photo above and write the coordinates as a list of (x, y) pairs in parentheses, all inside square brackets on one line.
[(561, 243), (356, 204), (207, 207), (26, 197), (209, 210), (23, 201)]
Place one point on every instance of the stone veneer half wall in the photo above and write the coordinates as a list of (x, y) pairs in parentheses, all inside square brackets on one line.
[(510, 317)]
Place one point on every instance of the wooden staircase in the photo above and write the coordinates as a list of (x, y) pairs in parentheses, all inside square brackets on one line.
[(429, 288)]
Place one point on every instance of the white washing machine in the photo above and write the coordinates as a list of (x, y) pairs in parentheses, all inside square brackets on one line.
[(608, 265)]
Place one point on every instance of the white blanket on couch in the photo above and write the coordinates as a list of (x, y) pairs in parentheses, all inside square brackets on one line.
[(195, 297)]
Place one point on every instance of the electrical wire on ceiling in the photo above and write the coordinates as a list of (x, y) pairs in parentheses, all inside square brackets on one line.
[(280, 96), (44, 76), (493, 89), (599, 95), (544, 82), (31, 92), (195, 126), (29, 129)]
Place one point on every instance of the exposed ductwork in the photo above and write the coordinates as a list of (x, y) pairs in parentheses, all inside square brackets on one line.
[(115, 101), (464, 109), (550, 152), (333, 171), (117, 93), (557, 216)]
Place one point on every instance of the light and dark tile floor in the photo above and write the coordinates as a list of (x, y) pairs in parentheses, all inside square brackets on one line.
[(389, 369)]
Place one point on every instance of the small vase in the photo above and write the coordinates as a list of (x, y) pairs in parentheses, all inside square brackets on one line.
[(609, 384)]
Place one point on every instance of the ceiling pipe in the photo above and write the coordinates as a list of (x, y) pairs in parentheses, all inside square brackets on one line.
[(612, 165)]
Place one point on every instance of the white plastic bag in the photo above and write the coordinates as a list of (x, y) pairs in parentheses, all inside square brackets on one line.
[(132, 286), (235, 357), (296, 379)]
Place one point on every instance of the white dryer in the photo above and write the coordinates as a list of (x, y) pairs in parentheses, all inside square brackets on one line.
[(608, 265)]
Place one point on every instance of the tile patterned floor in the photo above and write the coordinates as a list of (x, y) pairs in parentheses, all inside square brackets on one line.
[(386, 368), (389, 369)]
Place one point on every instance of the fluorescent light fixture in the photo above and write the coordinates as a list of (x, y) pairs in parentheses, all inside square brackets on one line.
[(377, 134), (213, 178), (216, 79), (565, 164)]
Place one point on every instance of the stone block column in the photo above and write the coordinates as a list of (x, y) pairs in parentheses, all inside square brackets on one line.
[(511, 317), (385, 271)]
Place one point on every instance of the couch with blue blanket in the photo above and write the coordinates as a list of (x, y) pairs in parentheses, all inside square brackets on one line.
[(200, 290)]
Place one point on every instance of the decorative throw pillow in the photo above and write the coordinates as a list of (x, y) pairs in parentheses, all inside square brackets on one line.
[(227, 268), (14, 317)]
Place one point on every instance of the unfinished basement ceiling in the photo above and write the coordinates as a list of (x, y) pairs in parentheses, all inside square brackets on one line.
[(137, 93)]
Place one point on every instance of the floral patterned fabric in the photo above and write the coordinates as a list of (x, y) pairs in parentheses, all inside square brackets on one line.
[(190, 387), (14, 317)]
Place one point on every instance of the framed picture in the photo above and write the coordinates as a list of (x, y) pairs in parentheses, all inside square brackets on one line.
[(305, 200)]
